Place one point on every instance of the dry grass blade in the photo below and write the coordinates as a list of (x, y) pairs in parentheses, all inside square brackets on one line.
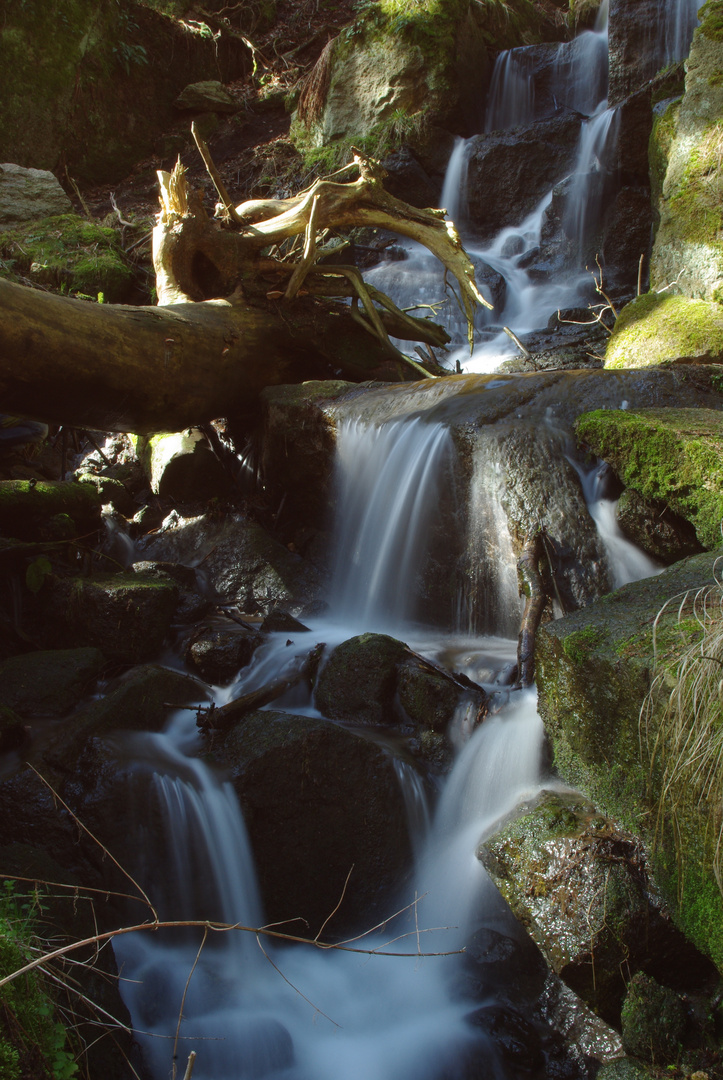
[(681, 721)]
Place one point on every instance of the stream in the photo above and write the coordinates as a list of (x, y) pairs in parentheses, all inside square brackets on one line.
[(255, 1008)]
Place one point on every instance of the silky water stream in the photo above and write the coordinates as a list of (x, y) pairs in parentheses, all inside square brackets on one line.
[(292, 1012)]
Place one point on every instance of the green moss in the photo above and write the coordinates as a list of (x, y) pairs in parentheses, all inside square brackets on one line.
[(661, 141), (697, 203), (711, 19), (580, 644), (69, 253), (657, 327), (671, 455), (32, 1041)]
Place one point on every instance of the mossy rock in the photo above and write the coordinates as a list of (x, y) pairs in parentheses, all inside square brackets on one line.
[(657, 328), (590, 698), (26, 506), (672, 455), (653, 1021), (51, 682), (127, 616), (579, 885), (659, 146), (182, 466), (711, 20), (358, 682), (70, 254)]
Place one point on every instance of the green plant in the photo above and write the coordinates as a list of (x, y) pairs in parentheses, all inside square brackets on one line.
[(33, 1041)]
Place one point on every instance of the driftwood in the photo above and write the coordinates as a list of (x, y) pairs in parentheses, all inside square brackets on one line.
[(532, 588), (237, 311), (216, 720)]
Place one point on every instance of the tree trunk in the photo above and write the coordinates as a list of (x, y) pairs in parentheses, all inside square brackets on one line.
[(147, 369)]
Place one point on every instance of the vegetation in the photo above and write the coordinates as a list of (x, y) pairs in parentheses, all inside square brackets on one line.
[(659, 327), (33, 1041)]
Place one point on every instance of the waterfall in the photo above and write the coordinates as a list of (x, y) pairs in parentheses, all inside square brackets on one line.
[(679, 21), (454, 190), (587, 190), (511, 98), (384, 516)]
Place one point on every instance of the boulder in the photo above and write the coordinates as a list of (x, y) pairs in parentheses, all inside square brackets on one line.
[(29, 195), (659, 327), (376, 681), (653, 1021), (594, 673), (183, 467), (580, 887), (661, 533), (127, 616), (27, 506), (209, 96), (627, 235), (240, 563), (510, 172), (49, 683), (687, 253), (671, 455), (218, 653), (318, 801)]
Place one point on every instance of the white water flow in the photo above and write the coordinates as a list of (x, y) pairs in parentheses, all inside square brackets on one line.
[(293, 1012), (625, 560), (679, 22), (396, 469)]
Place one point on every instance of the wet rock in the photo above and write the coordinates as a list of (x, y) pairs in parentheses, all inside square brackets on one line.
[(661, 533), (126, 616), (653, 1021), (26, 505), (670, 455), (375, 681), (509, 172), (218, 653), (634, 54), (514, 1036), (12, 730), (49, 683), (318, 800), (687, 253), (112, 491), (209, 96), (139, 700), (407, 180), (240, 563), (358, 681), (192, 604), (580, 887), (182, 466), (299, 436), (593, 672), (627, 235), (278, 621), (625, 1069), (29, 195)]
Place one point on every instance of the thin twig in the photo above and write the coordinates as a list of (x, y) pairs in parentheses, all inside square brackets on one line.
[(183, 1000)]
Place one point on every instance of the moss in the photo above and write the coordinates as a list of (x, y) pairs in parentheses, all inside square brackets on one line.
[(696, 205), (672, 455), (657, 327), (68, 253), (579, 644), (661, 141), (711, 20)]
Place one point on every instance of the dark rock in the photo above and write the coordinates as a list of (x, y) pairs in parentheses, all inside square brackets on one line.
[(318, 800), (428, 698), (407, 180), (49, 683), (358, 682), (110, 490), (509, 172), (182, 466), (656, 528), (218, 653), (628, 235), (127, 616), (13, 733), (634, 57), (514, 1036), (278, 621), (653, 1021), (26, 505)]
